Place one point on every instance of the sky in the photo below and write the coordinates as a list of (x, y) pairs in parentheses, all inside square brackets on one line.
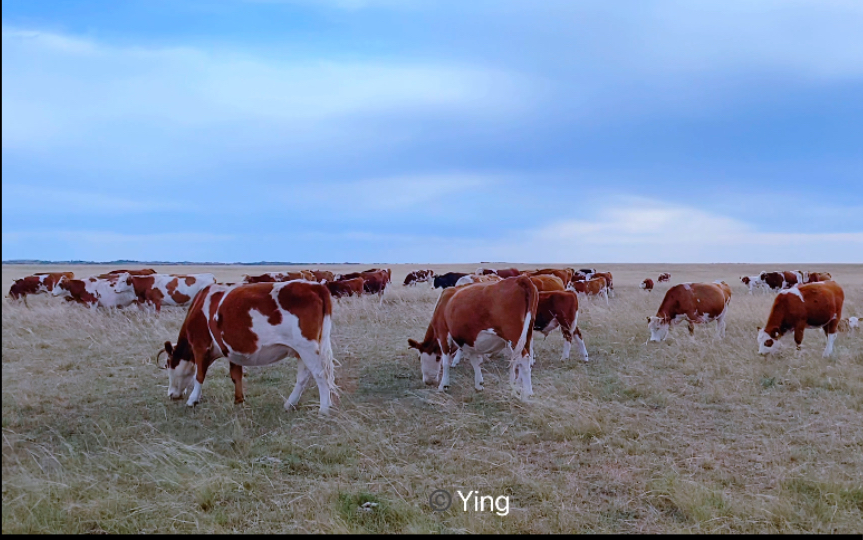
[(420, 131)]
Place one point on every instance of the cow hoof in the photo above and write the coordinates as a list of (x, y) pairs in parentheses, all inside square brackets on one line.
[(586, 359), (237, 401), (479, 388), (443, 388)]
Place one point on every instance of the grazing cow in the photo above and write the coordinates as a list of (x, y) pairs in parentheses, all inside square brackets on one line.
[(255, 325), (169, 289), (480, 320), (419, 276), (447, 280), (780, 280), (754, 283), (663, 277), (592, 287), (812, 305), (375, 282), (116, 291), (579, 276), (43, 282), (548, 282), (647, 284), (470, 279), (560, 309), (388, 272), (277, 277), (141, 272), (346, 287), (565, 274), (322, 275), (609, 280), (815, 277), (694, 303), (849, 325)]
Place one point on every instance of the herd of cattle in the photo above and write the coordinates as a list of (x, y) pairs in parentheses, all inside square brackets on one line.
[(278, 314)]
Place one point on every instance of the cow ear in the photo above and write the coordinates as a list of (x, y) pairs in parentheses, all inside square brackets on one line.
[(412, 344), (759, 328)]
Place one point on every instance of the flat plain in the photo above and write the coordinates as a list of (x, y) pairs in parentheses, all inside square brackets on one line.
[(690, 435)]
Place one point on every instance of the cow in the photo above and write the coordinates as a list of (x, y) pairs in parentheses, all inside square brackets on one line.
[(388, 272), (419, 276), (565, 274), (547, 282), (560, 309), (480, 320), (609, 280), (647, 284), (587, 271), (43, 282), (812, 305), (694, 303), (470, 279), (277, 277), (141, 272), (777, 281), (663, 277), (592, 287), (169, 289), (447, 280), (114, 292), (375, 282), (579, 276), (753, 283), (254, 324), (815, 277), (322, 275), (849, 325), (346, 287)]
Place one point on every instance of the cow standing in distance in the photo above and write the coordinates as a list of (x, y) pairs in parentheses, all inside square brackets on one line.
[(778, 281), (815, 277), (547, 282), (255, 325), (479, 320), (754, 283), (647, 284), (565, 274), (346, 287), (156, 290), (502, 272), (470, 279), (114, 291), (449, 279), (592, 287), (278, 277), (813, 305), (560, 309), (693, 303), (664, 277), (419, 276), (43, 282)]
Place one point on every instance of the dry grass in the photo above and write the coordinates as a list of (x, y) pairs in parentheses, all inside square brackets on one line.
[(685, 436)]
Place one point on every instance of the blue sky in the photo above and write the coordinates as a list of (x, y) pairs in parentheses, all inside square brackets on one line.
[(433, 131)]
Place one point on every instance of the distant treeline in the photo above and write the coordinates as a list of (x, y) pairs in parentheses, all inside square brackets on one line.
[(179, 263)]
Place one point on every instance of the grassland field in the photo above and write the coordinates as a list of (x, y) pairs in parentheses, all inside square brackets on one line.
[(690, 435)]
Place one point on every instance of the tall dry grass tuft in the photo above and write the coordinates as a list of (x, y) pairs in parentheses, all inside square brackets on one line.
[(692, 435)]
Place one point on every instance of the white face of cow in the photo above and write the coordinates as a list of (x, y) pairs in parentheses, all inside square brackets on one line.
[(658, 329), (766, 344), (180, 378), (430, 364), (59, 291)]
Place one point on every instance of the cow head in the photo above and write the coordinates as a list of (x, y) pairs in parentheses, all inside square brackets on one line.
[(430, 360), (61, 288), (768, 342), (658, 328), (181, 373)]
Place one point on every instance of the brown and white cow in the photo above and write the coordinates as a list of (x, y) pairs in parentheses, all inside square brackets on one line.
[(815, 277), (375, 280), (609, 280), (754, 283), (813, 305), (157, 290), (693, 303), (850, 324), (579, 276), (470, 279), (255, 324), (663, 277), (781, 280), (560, 309), (322, 275), (479, 320), (592, 287), (346, 287), (647, 284), (43, 282), (278, 277), (115, 291), (419, 276), (502, 272), (565, 274), (548, 282), (141, 272)]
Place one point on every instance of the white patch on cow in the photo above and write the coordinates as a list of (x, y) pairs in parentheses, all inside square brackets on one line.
[(180, 378), (853, 322), (795, 291), (763, 346), (195, 396), (430, 366), (465, 280), (687, 286), (829, 349), (658, 329)]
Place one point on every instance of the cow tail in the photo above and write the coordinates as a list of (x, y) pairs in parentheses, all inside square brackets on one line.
[(530, 309), (328, 360)]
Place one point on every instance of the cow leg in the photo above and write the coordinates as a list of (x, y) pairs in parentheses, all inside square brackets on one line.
[(567, 342), (605, 293), (829, 349), (314, 364), (457, 358), (521, 370), (237, 376), (720, 325), (304, 376), (444, 379), (476, 360), (195, 396), (580, 342)]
